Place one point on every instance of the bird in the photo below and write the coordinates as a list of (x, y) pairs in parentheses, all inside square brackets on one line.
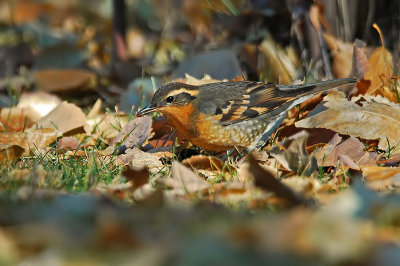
[(229, 115)]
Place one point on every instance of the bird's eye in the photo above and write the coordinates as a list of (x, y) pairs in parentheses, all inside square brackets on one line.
[(169, 99)]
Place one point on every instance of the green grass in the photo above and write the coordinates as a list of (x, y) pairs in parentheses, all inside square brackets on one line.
[(59, 171)]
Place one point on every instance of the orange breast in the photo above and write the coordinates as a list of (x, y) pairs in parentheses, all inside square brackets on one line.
[(205, 131), (180, 117)]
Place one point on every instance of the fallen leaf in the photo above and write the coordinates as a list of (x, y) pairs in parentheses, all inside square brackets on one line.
[(95, 111), (10, 152), (62, 80), (379, 178), (380, 74), (66, 117), (135, 132), (183, 180), (351, 149), (31, 139), (137, 158), (294, 156), (17, 119), (376, 118)]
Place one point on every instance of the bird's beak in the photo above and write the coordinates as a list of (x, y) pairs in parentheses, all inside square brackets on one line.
[(146, 110)]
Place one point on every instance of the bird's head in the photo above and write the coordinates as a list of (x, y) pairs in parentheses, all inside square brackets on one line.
[(170, 95)]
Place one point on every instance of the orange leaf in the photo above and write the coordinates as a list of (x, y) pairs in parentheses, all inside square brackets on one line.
[(380, 73)]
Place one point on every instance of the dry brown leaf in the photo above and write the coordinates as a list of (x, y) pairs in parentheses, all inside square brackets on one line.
[(350, 152), (17, 119), (96, 109), (30, 139), (137, 158), (374, 119), (10, 152), (380, 74), (342, 54), (66, 117), (62, 80), (135, 132), (183, 180), (378, 177)]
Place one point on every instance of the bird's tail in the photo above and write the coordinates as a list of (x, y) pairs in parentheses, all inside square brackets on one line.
[(313, 88)]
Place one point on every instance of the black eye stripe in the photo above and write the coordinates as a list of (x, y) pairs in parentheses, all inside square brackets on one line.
[(180, 97)]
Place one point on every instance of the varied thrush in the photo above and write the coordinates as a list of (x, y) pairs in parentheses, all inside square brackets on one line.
[(224, 115)]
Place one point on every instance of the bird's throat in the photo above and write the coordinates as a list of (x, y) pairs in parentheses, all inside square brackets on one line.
[(181, 117)]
